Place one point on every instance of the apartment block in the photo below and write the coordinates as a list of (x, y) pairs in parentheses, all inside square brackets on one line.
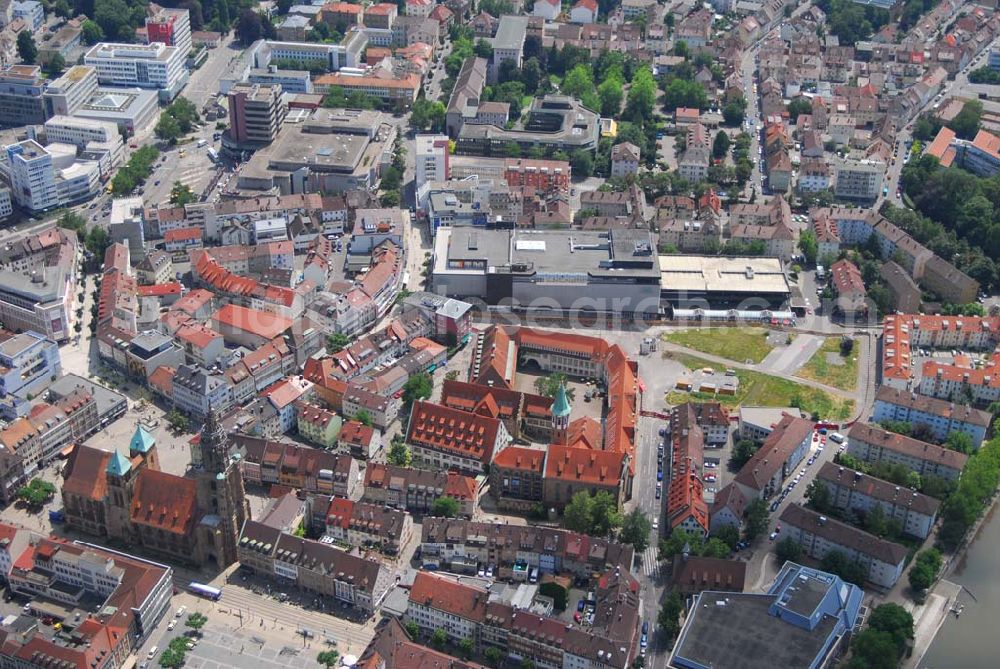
[(940, 416), (819, 535), (855, 492), (873, 444)]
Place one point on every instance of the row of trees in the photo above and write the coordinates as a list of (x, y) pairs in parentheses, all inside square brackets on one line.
[(974, 491), (135, 171), (959, 216)]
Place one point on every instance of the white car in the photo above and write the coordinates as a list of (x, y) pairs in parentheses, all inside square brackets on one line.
[(656, 525), (180, 611), (172, 625)]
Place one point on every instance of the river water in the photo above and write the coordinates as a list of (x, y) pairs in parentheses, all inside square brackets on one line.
[(972, 641)]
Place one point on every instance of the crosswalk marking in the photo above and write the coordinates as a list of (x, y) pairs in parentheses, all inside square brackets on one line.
[(650, 563)]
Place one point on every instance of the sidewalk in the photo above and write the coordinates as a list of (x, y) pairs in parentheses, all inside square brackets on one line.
[(928, 618)]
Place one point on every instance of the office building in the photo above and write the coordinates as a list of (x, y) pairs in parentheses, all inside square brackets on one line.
[(21, 103), (87, 134), (6, 204), (256, 112), (431, 159), (28, 362), (131, 109), (716, 282), (508, 45), (604, 271), (555, 122), (130, 596), (31, 12), (155, 66), (32, 176), (804, 620), (67, 94), (171, 27)]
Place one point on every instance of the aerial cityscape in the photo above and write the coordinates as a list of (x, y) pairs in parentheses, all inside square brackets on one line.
[(499, 334)]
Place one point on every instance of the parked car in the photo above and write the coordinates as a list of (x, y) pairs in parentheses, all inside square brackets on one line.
[(774, 506), (773, 536)]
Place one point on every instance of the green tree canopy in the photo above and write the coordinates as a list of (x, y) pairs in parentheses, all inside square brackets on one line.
[(26, 48), (636, 529), (418, 387), (445, 507)]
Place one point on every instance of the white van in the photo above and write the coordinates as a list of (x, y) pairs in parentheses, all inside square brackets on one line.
[(837, 438), (152, 653), (202, 142)]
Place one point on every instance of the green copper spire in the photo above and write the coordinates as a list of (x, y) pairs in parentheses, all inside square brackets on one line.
[(561, 405)]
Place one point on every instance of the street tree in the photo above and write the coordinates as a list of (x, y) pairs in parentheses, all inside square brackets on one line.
[(445, 507), (399, 453), (418, 387), (181, 194), (635, 530), (26, 47)]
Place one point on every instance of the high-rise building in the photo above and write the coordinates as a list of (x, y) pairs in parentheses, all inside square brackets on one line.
[(21, 88), (431, 159), (32, 176), (170, 26), (256, 112)]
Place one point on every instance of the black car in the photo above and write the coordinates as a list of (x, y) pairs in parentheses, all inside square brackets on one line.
[(774, 506)]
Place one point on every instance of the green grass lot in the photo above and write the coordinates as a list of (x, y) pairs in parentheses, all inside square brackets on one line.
[(738, 344), (758, 389), (843, 376)]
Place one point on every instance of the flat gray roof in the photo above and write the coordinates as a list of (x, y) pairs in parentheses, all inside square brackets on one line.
[(720, 274), (511, 32), (737, 631)]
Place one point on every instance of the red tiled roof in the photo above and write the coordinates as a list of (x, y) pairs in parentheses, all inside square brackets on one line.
[(260, 323), (443, 428), (161, 289), (566, 463), (521, 459), (443, 594), (182, 235), (164, 502)]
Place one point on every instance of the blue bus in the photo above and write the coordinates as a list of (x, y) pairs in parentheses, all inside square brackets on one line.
[(206, 591)]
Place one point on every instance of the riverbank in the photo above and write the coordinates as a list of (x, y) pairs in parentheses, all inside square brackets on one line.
[(947, 592)]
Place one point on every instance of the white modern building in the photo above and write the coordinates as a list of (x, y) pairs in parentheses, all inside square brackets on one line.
[(86, 133), (6, 204), (70, 92), (32, 176), (431, 159), (172, 27), (153, 65)]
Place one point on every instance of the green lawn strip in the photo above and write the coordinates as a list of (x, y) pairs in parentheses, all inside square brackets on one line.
[(739, 344), (843, 376)]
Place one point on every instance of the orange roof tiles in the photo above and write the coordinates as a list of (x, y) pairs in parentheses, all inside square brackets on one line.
[(182, 235), (566, 463), (445, 429), (521, 459), (260, 323), (443, 594), (164, 501)]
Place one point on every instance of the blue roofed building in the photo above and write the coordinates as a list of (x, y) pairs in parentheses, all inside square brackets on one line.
[(805, 619)]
